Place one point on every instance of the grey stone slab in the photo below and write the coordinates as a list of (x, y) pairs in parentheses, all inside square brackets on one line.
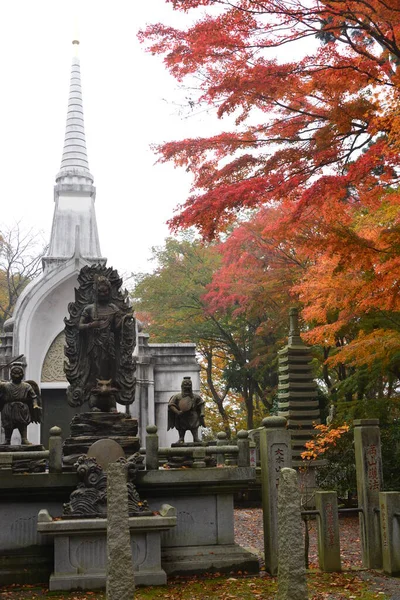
[(291, 568), (208, 559), (199, 522)]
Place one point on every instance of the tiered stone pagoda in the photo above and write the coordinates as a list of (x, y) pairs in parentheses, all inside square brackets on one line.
[(297, 391)]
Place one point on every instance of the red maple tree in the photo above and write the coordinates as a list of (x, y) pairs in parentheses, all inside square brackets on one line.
[(307, 176)]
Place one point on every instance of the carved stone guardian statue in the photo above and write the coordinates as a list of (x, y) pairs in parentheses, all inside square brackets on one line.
[(19, 404), (186, 411), (100, 339)]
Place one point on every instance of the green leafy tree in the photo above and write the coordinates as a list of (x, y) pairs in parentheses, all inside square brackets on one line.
[(172, 301)]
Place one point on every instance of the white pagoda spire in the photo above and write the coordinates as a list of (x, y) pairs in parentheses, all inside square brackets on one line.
[(74, 230), (74, 158)]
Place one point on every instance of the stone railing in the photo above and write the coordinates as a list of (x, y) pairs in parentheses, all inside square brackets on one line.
[(226, 454), (53, 456)]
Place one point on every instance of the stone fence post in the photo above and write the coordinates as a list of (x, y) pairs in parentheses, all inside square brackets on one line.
[(369, 483), (328, 531), (199, 457), (243, 443), (390, 531), (221, 441), (55, 450), (151, 448), (275, 453)]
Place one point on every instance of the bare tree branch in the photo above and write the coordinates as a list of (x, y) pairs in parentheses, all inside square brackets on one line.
[(21, 253)]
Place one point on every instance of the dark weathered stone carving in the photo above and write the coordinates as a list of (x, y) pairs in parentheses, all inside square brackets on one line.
[(89, 500), (19, 404), (90, 497), (186, 411), (100, 339), (87, 428)]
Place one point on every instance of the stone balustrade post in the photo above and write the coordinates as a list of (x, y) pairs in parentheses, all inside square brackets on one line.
[(199, 457), (328, 531), (253, 454), (275, 454), (151, 448), (390, 531), (55, 450), (243, 443), (221, 441), (369, 483)]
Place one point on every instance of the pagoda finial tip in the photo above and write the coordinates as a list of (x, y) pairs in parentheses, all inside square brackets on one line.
[(75, 45)]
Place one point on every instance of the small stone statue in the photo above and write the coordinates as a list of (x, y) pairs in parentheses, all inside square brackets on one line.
[(19, 404), (186, 411), (100, 336)]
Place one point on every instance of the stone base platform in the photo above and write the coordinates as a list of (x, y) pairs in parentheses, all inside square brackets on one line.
[(80, 549), (87, 428), (186, 460), (192, 560), (21, 464)]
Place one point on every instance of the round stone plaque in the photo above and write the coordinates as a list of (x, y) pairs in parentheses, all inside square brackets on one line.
[(106, 452)]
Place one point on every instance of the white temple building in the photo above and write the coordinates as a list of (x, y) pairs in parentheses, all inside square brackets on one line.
[(36, 330)]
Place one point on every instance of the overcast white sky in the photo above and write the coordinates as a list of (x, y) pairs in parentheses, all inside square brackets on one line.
[(128, 103)]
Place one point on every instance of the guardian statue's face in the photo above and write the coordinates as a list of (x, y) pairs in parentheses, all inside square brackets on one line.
[(187, 389), (103, 292), (16, 374)]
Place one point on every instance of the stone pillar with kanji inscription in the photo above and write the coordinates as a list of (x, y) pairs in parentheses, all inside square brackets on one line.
[(275, 453), (390, 531), (328, 531), (369, 483)]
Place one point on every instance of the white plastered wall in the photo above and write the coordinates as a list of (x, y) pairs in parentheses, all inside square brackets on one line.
[(39, 318)]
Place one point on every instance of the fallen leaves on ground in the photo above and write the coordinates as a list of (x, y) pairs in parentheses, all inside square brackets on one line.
[(349, 585), (322, 586)]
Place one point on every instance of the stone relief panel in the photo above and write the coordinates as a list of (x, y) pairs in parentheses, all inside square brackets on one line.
[(53, 364)]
